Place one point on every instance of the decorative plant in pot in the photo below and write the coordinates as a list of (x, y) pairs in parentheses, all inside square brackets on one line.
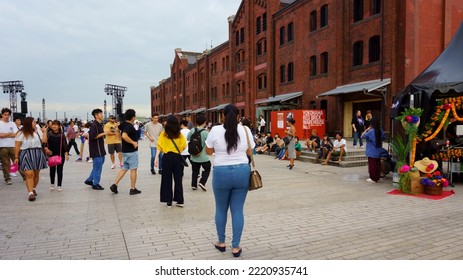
[(410, 119), (401, 149)]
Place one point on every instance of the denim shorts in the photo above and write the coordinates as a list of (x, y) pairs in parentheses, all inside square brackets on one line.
[(130, 160)]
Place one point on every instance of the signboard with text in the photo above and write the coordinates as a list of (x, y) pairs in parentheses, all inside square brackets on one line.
[(306, 121)]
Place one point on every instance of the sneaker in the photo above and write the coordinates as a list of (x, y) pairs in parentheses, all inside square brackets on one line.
[(31, 197), (52, 188), (113, 188), (121, 165), (179, 205), (371, 181), (160, 171), (113, 166), (13, 175), (90, 183), (97, 187), (90, 160), (169, 205), (34, 192), (59, 189), (203, 187), (87, 159), (194, 188), (8, 182), (153, 172), (134, 191), (79, 159), (355, 146)]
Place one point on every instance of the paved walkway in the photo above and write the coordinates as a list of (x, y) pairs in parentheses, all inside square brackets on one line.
[(311, 212)]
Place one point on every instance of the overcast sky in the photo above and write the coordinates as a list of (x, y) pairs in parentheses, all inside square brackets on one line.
[(66, 51)]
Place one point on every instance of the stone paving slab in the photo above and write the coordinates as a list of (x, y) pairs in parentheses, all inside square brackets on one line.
[(310, 212)]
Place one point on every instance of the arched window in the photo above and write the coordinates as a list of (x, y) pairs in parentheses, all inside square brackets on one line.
[(290, 72), (324, 63), (258, 25), (324, 16), (357, 53), (374, 49), (313, 65), (313, 21), (358, 10)]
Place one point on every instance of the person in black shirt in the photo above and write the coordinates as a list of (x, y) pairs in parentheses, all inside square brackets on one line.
[(96, 136), (313, 143), (358, 125), (129, 153)]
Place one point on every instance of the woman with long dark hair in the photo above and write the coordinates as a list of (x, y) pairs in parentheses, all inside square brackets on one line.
[(29, 155), (291, 133), (171, 142), (56, 146), (230, 182), (373, 137)]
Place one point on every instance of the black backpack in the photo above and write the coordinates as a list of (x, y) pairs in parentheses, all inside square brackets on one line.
[(194, 146)]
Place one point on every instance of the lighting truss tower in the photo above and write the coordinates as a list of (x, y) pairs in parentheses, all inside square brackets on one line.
[(117, 92), (13, 88), (43, 110), (105, 111)]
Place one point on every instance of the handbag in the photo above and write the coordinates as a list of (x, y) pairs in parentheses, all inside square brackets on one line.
[(255, 181), (179, 153), (56, 160), (287, 140)]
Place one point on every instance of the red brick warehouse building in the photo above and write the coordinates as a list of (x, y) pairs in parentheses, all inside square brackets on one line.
[(336, 55)]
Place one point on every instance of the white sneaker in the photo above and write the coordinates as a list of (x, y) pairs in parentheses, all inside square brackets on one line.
[(113, 166), (90, 160), (13, 174), (371, 181), (355, 147), (59, 189), (52, 188)]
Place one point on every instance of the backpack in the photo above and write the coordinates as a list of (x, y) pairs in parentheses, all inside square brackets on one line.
[(195, 146)]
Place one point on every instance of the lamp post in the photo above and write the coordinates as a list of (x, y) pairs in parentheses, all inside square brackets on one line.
[(13, 88)]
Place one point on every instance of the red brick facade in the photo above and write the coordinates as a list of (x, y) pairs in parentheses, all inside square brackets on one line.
[(311, 46)]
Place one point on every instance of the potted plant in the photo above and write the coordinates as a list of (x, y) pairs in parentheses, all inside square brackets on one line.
[(434, 182), (401, 149)]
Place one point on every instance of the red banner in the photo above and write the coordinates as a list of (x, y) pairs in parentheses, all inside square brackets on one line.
[(306, 121)]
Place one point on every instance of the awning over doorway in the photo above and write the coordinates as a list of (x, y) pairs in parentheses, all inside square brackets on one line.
[(184, 112), (367, 86), (280, 98), (200, 110), (218, 108)]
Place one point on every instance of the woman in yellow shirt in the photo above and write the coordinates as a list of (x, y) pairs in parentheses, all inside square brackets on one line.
[(171, 142)]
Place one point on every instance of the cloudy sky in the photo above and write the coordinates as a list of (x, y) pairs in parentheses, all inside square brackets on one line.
[(66, 51)]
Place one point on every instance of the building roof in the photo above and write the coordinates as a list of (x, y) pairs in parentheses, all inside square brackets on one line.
[(366, 86)]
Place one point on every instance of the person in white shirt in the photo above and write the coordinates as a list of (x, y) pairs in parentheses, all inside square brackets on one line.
[(29, 155), (230, 182), (184, 130), (8, 131), (262, 124), (152, 131), (339, 149)]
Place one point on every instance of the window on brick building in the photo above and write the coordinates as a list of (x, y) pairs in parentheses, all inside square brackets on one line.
[(237, 38), (324, 16), (313, 21), (262, 82), (282, 35), (357, 53), (313, 65), (227, 62), (258, 25), (374, 49), (264, 22), (242, 35), (324, 63), (290, 72), (358, 10), (282, 74), (227, 90), (375, 7), (290, 32), (223, 64), (262, 47)]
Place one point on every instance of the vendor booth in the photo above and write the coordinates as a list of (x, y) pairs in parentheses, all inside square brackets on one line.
[(430, 110)]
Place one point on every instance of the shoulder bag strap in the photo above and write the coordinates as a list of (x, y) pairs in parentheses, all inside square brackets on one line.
[(175, 146), (249, 147)]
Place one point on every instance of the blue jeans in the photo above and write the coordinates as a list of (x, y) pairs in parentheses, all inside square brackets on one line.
[(230, 189), (153, 155), (95, 175), (357, 136)]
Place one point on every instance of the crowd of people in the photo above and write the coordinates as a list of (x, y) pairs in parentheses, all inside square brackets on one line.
[(173, 144)]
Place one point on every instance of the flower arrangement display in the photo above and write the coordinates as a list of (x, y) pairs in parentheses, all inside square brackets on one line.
[(448, 154), (410, 115), (434, 179)]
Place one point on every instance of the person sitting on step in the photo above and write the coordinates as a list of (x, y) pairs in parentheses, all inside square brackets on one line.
[(339, 149)]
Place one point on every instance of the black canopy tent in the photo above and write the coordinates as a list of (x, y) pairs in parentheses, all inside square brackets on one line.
[(443, 78)]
